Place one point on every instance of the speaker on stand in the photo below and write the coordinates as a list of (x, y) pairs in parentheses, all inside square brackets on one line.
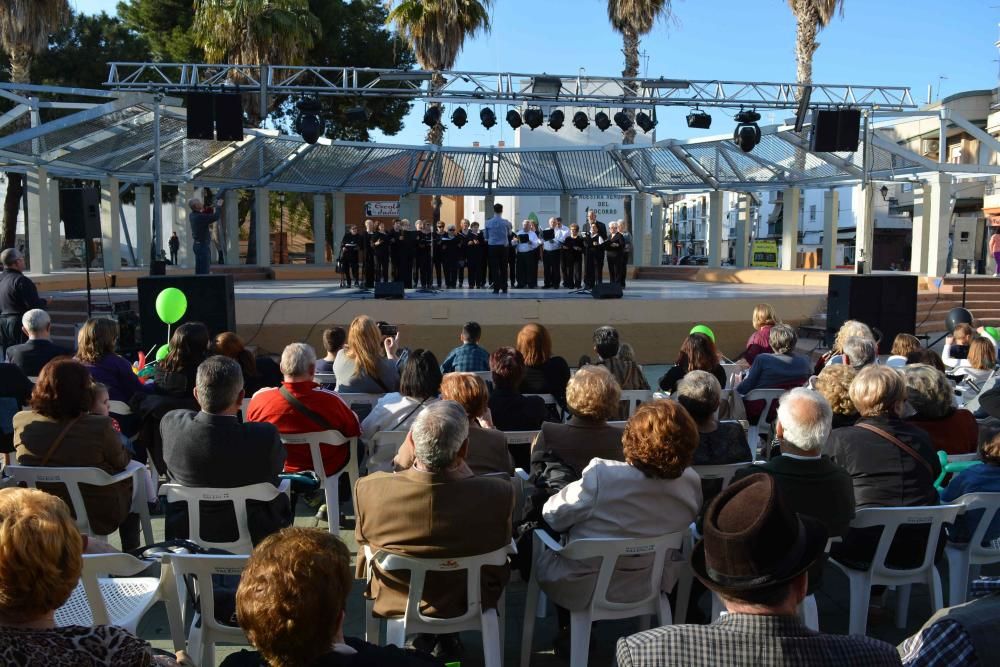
[(80, 212)]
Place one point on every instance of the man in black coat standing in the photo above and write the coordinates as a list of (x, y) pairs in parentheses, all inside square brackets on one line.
[(18, 295)]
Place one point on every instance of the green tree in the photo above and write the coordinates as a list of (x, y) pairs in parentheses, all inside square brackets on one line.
[(632, 19), (25, 26), (811, 16), (166, 25)]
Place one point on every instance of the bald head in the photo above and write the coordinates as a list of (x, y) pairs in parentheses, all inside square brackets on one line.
[(804, 421)]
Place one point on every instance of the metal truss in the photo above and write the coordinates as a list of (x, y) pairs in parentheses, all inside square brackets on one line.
[(488, 88)]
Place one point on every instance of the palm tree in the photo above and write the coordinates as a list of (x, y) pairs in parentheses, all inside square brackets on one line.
[(811, 16), (25, 26), (436, 31), (632, 19)]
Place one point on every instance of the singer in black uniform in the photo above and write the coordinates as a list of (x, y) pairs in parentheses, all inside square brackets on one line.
[(474, 256), (463, 258), (451, 251), (574, 251), (439, 239), (425, 241), (349, 246), (368, 254), (594, 273), (406, 249), (380, 244), (394, 234), (615, 252)]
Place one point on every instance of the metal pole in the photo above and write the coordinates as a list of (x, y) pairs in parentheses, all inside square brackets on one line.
[(157, 184)]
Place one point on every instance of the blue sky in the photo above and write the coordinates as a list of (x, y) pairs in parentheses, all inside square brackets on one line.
[(884, 42)]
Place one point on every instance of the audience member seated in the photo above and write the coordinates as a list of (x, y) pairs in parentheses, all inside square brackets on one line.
[(302, 406), (931, 396), (15, 391), (512, 411), (437, 509), (258, 372), (884, 474), (697, 353), (419, 386), (719, 442), (651, 493), (859, 352), (849, 329), (812, 484), (176, 375), (40, 564), (902, 346), (543, 373), (487, 446), (965, 634), (95, 349), (983, 478), (470, 356), (367, 362), (333, 342), (759, 342), (755, 556), (593, 397), (956, 346), (292, 603), (627, 373), (980, 363), (213, 449), (783, 369), (59, 431), (925, 356), (834, 383), (32, 355)]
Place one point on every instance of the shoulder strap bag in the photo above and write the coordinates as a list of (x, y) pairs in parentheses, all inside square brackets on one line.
[(58, 441), (301, 408), (899, 443)]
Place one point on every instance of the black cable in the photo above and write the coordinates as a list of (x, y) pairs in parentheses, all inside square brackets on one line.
[(267, 312), (931, 310)]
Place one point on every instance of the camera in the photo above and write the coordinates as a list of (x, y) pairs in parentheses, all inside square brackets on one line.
[(387, 329)]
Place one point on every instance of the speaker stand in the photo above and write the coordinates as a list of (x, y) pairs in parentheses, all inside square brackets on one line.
[(965, 279), (86, 265)]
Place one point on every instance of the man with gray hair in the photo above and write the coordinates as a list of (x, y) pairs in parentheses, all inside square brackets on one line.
[(31, 356), (859, 352), (812, 483), (18, 295), (212, 448), (436, 509)]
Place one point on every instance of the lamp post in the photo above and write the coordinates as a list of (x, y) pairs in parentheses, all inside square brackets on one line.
[(281, 227)]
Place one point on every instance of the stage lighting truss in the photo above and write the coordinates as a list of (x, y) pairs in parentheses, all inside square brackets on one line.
[(581, 121), (309, 124), (459, 117), (623, 121), (747, 132), (556, 119), (645, 121), (699, 120), (487, 117), (432, 116), (533, 117), (602, 121), (514, 119)]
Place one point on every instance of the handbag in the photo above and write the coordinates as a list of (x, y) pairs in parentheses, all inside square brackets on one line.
[(58, 441), (899, 443)]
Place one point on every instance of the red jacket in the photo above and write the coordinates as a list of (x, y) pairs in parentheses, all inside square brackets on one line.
[(268, 405)]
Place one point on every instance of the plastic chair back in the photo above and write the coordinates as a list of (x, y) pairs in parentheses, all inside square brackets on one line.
[(891, 519), (318, 439), (119, 408), (382, 449), (635, 398), (724, 472), (519, 437), (101, 600), (954, 464), (325, 378), (487, 376), (769, 396), (730, 370), (237, 497), (965, 557), (72, 478), (244, 406), (360, 399)]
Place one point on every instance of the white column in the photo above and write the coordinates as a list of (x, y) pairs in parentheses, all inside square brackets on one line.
[(339, 213), (231, 219), (742, 241), (319, 229), (111, 225), (656, 234), (938, 210), (409, 208), (790, 228), (55, 226), (864, 218), (143, 224), (641, 232), (921, 230), (262, 215), (182, 225), (713, 236), (36, 221), (831, 215)]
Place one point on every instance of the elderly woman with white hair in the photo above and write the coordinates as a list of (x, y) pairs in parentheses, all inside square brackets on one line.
[(782, 369), (859, 352), (930, 394), (849, 329), (718, 442)]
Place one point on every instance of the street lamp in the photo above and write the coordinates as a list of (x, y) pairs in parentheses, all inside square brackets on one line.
[(884, 191), (281, 227)]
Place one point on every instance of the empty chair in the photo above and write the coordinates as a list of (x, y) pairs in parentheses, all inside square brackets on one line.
[(109, 593), (963, 558), (769, 396), (330, 485), (721, 472)]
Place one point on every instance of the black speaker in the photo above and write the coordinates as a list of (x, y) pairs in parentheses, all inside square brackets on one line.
[(607, 291), (886, 302), (228, 117), (200, 116), (210, 301), (835, 131), (80, 211), (158, 267), (389, 290)]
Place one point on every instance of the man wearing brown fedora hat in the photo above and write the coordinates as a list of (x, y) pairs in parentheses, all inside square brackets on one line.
[(755, 555)]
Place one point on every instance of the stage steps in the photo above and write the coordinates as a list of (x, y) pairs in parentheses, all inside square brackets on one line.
[(982, 297), (69, 313)]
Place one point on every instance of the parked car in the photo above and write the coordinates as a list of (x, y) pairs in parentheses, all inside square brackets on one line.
[(693, 260)]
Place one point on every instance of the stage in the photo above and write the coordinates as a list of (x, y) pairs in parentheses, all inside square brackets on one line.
[(653, 316)]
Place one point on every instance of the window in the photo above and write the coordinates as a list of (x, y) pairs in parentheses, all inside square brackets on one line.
[(812, 213)]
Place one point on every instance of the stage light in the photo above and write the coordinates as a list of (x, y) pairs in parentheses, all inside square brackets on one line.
[(580, 121), (623, 121), (357, 114), (747, 133), (309, 125), (459, 117), (533, 118), (556, 119), (432, 116), (514, 119), (699, 120), (643, 120), (602, 121), (487, 117)]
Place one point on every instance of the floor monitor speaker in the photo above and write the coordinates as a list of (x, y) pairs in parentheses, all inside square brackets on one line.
[(886, 302), (389, 290), (210, 301), (607, 291)]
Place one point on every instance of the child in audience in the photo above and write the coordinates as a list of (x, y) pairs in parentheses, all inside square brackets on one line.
[(102, 406), (956, 346), (469, 357), (333, 340)]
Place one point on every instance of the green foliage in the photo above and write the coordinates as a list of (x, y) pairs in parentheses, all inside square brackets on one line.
[(255, 31), (79, 54), (166, 25)]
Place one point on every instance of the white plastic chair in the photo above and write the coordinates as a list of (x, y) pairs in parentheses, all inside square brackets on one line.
[(237, 497), (519, 437), (325, 378), (724, 472), (330, 485), (360, 399), (654, 603), (635, 398), (861, 581), (769, 396), (488, 621), (244, 406), (100, 599), (72, 478), (487, 376), (205, 631), (382, 449), (962, 559)]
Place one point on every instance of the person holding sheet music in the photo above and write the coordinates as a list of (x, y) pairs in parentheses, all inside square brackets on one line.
[(394, 232), (349, 255), (552, 253), (406, 250), (475, 256), (425, 241), (615, 251), (463, 256), (381, 247), (452, 247), (439, 250), (527, 256), (574, 250), (594, 243)]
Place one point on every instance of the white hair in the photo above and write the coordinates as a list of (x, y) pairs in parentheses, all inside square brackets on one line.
[(10, 256), (860, 351), (438, 433), (35, 321), (297, 359), (806, 419)]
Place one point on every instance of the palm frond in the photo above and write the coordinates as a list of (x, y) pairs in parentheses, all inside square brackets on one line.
[(637, 15)]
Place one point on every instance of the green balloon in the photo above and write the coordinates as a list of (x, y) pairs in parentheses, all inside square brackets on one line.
[(993, 333), (162, 352), (702, 329), (533, 217), (171, 304)]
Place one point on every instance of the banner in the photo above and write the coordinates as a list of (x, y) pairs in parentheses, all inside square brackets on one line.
[(381, 209)]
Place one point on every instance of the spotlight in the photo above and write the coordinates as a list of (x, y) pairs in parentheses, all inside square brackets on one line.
[(487, 118), (514, 119), (556, 119), (357, 114), (747, 133), (580, 121), (432, 116), (623, 121), (643, 120), (602, 121), (744, 117), (699, 120), (309, 125), (459, 117), (534, 118)]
